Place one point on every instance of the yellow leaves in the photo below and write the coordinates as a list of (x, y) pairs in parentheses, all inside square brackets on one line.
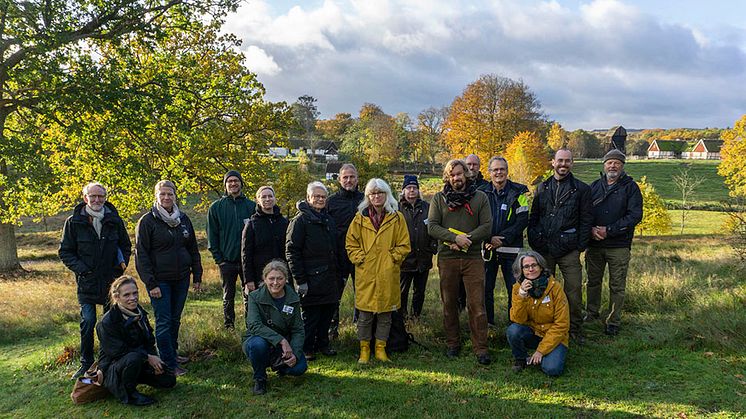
[(557, 137), (733, 154), (527, 158), (655, 217)]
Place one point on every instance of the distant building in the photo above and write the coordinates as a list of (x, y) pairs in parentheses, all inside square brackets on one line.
[(667, 149), (325, 150), (332, 170), (616, 138), (705, 149)]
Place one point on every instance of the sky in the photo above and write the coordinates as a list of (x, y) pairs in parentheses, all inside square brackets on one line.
[(591, 64)]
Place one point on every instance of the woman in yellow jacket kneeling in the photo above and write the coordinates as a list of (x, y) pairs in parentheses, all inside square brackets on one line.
[(540, 314), (377, 243)]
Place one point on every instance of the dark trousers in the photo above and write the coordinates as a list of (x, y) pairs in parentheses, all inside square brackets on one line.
[(572, 276), (521, 338), (168, 310), (259, 351), (406, 280), (316, 321), (505, 263), (596, 259), (334, 325), (230, 272), (124, 374), (87, 326), (471, 272)]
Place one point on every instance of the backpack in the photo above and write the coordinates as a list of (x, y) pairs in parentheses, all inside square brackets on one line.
[(399, 338)]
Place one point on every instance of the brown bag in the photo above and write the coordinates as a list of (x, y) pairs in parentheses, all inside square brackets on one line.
[(89, 387)]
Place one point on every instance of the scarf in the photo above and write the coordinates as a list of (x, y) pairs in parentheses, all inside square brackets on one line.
[(538, 286), (376, 218), (172, 219), (96, 217), (132, 316), (456, 199)]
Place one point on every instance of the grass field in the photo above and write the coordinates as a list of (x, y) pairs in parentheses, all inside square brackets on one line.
[(680, 353)]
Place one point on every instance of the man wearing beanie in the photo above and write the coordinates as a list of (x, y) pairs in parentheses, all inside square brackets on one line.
[(225, 221), (416, 266), (617, 209)]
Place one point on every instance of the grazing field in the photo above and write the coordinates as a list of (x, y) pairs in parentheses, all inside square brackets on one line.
[(680, 353)]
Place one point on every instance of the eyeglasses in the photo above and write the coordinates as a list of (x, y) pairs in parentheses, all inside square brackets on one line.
[(377, 193), (530, 266), (318, 196), (96, 196)]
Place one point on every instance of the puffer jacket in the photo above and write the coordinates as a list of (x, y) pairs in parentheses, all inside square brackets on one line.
[(94, 260), (265, 320), (164, 253), (420, 259), (311, 250), (263, 239), (377, 256), (548, 316), (559, 226), (619, 208)]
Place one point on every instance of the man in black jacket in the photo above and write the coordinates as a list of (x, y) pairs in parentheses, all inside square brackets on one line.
[(342, 207), (96, 247), (617, 209), (509, 205), (416, 266), (559, 228)]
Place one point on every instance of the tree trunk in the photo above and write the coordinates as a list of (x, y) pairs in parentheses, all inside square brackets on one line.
[(8, 249)]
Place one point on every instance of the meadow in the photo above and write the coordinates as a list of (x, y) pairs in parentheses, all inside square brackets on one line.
[(680, 352)]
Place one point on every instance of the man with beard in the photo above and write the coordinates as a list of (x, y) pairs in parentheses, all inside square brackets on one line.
[(473, 164), (460, 219), (96, 247), (342, 207), (617, 209), (559, 228), (225, 222)]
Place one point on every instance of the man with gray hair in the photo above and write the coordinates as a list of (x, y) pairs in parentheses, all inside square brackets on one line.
[(96, 247)]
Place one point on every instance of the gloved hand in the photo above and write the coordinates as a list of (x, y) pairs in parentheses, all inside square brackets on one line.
[(303, 289)]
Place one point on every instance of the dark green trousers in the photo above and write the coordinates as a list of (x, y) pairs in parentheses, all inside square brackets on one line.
[(572, 282), (596, 259)]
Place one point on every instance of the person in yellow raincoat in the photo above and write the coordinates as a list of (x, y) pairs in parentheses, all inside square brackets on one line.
[(377, 243)]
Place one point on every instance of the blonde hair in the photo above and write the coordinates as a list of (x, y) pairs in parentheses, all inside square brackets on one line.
[(261, 188), (117, 284), (167, 183), (449, 168)]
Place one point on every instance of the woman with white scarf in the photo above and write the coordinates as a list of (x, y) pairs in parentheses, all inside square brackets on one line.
[(166, 255)]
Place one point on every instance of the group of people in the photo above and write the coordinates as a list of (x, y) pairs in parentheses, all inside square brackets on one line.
[(293, 273)]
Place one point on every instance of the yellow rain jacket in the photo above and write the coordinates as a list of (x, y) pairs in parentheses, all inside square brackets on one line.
[(377, 256), (548, 316)]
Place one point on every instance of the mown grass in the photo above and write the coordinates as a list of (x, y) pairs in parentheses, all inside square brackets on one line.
[(680, 354)]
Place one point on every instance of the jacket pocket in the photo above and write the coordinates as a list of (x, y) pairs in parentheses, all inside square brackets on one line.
[(568, 240)]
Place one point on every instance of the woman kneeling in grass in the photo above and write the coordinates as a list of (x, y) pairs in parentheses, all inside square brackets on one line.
[(128, 356), (540, 314), (274, 327)]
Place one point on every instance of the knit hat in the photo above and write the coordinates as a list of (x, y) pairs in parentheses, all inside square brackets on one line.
[(616, 155), (231, 173), (410, 180)]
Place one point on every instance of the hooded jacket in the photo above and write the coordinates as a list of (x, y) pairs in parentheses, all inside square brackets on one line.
[(263, 239), (619, 208), (377, 256), (560, 224), (548, 316), (94, 259), (164, 253), (423, 247), (225, 222), (311, 250)]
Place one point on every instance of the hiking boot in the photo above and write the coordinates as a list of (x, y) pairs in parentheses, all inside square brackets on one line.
[(138, 399), (484, 359), (80, 372), (260, 387), (611, 330), (454, 352), (519, 365), (577, 338)]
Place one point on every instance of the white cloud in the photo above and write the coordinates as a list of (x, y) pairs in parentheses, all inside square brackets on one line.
[(597, 64)]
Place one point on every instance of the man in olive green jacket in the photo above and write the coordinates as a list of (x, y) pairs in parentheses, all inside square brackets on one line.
[(460, 219)]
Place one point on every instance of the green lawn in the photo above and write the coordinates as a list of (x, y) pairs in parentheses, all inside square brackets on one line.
[(680, 354), (660, 172)]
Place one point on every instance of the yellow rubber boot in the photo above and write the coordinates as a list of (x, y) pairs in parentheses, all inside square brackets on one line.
[(364, 352), (381, 351)]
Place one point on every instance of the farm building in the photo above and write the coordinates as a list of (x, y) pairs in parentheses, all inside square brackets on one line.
[(704, 150), (326, 150), (667, 149)]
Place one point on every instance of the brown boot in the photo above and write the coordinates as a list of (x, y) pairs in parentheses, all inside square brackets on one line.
[(381, 351), (364, 352)]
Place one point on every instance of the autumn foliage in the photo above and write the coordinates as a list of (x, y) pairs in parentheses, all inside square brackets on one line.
[(655, 217), (733, 154)]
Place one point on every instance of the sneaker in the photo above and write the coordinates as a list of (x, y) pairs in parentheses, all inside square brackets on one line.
[(138, 399), (484, 359), (452, 353), (519, 365), (80, 372), (260, 387), (611, 330)]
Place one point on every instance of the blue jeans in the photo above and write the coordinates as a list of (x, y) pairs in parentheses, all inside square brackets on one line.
[(505, 261), (168, 310), (521, 338), (258, 350), (87, 327)]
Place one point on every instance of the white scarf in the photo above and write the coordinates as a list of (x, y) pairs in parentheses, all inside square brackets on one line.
[(96, 217), (172, 219)]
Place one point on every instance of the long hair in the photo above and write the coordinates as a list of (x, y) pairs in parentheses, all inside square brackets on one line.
[(518, 264), (375, 185), (449, 168)]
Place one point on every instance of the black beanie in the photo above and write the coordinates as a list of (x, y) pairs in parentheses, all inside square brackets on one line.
[(410, 180), (232, 173)]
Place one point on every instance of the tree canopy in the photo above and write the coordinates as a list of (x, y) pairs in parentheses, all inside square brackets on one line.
[(733, 154)]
